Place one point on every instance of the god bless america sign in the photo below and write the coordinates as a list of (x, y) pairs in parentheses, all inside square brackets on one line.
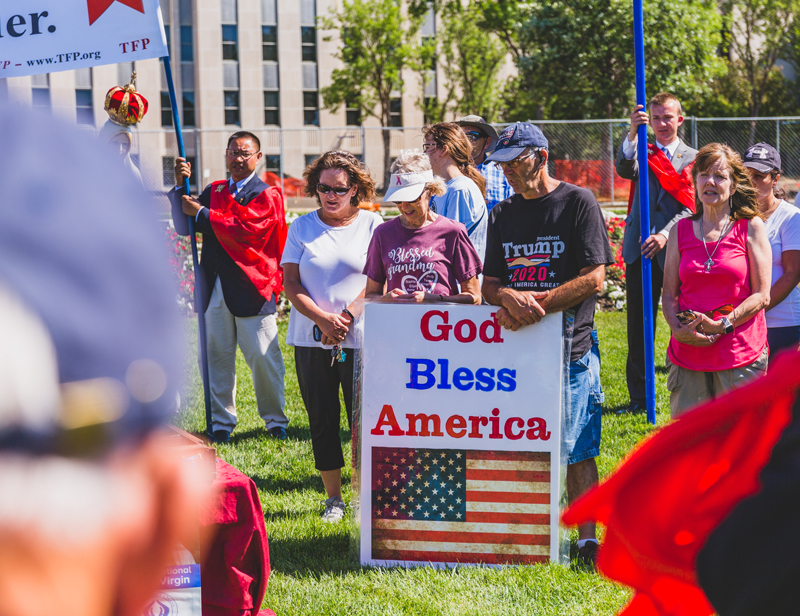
[(460, 437)]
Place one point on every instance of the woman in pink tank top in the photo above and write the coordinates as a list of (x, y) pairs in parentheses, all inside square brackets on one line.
[(716, 285)]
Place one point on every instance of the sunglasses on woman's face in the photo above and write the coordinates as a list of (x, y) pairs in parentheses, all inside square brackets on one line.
[(338, 191)]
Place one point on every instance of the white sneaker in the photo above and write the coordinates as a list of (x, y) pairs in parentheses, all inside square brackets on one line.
[(334, 509)]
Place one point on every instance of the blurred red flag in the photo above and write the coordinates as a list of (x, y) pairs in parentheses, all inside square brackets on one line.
[(662, 503)]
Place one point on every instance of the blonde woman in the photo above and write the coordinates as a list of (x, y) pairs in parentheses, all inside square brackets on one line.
[(716, 284)]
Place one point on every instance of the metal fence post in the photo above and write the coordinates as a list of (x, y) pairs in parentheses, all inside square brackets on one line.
[(778, 135), (694, 132), (611, 156), (198, 160), (280, 164), (363, 144)]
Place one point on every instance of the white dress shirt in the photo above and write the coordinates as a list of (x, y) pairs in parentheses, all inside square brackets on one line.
[(629, 151), (233, 187), (629, 147)]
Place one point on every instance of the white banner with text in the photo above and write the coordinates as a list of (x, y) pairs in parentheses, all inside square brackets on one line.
[(460, 433), (47, 36)]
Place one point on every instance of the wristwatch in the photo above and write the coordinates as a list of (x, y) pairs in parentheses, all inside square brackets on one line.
[(727, 325)]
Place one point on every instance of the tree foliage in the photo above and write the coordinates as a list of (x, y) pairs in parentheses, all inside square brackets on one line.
[(470, 58), (376, 43), (757, 34), (576, 56)]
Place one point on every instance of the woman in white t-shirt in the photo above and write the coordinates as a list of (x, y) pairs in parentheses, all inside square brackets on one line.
[(782, 221), (322, 263)]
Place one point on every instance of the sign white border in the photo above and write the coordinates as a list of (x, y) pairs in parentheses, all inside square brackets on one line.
[(393, 334)]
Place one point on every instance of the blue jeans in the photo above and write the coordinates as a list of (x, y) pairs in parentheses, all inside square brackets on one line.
[(582, 424), (780, 338)]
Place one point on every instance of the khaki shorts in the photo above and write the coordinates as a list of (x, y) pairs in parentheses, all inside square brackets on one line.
[(688, 388)]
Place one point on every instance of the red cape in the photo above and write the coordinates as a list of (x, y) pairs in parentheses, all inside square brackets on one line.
[(662, 503), (253, 234), (679, 185)]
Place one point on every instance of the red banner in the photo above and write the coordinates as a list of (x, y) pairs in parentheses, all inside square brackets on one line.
[(98, 7)]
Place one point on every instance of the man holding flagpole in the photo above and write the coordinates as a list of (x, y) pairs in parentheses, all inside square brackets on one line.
[(244, 231), (671, 198)]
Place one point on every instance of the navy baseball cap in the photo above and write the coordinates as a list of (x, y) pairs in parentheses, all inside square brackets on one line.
[(763, 158), (512, 142), (82, 251)]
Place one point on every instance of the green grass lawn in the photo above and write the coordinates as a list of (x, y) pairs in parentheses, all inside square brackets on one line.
[(313, 571)]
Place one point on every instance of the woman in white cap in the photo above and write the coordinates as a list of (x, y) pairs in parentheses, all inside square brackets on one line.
[(420, 255), (782, 221)]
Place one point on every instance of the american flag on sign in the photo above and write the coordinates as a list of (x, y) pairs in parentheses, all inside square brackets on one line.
[(447, 505)]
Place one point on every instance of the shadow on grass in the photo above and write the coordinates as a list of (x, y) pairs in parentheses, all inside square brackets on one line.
[(319, 554), (276, 484)]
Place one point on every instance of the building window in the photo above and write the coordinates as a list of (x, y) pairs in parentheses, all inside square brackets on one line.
[(353, 113), (230, 44), (272, 112), (232, 107), (269, 43), (168, 171), (83, 105), (395, 112), (40, 92), (187, 44), (188, 108), (309, 40), (310, 108), (310, 158), (166, 110), (41, 97), (272, 163), (429, 104)]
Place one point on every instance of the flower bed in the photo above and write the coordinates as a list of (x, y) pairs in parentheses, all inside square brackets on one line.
[(180, 249), (613, 295)]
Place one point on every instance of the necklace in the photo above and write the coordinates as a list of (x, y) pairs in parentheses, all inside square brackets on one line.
[(710, 262)]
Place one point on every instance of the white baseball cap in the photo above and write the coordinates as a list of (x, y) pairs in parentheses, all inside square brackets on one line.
[(407, 186)]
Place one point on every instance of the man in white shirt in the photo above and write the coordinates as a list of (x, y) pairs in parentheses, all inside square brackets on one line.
[(665, 210)]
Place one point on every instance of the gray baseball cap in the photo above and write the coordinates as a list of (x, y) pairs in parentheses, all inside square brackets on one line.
[(483, 126), (81, 249)]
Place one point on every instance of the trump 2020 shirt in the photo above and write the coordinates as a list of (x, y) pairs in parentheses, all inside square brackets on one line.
[(539, 244)]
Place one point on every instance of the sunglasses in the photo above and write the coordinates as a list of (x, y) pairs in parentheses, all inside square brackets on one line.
[(513, 164), (339, 192), (474, 136)]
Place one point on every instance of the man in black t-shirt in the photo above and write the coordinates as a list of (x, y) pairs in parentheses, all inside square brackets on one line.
[(547, 248)]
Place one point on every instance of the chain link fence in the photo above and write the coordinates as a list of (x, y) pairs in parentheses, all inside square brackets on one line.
[(581, 152)]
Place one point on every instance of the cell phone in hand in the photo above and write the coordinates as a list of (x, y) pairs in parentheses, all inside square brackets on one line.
[(317, 333), (686, 316)]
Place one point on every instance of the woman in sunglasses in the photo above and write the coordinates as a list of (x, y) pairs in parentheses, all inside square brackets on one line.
[(716, 284), (421, 256), (450, 154), (322, 263)]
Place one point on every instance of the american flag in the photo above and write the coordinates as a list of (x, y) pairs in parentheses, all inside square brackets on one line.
[(457, 506)]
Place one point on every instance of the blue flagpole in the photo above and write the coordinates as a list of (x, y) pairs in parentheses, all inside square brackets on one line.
[(644, 216), (201, 322)]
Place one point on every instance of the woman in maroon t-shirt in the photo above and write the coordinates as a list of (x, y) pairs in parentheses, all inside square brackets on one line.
[(419, 255)]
